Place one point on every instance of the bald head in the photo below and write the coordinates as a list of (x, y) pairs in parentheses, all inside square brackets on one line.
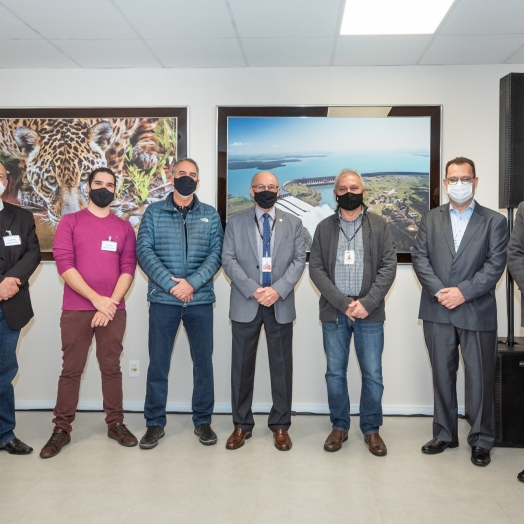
[(264, 177)]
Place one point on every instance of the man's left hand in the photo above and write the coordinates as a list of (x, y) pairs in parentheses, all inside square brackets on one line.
[(99, 320), (268, 297), (357, 310), (183, 289), (451, 297)]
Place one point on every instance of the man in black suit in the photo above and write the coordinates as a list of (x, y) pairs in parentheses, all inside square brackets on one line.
[(19, 257)]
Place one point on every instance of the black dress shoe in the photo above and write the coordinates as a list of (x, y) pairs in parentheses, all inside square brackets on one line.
[(435, 445), (17, 447), (480, 456), (152, 436), (520, 476)]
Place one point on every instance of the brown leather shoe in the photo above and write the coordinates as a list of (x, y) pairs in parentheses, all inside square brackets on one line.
[(282, 440), (122, 435), (376, 444), (335, 439), (237, 438), (58, 440)]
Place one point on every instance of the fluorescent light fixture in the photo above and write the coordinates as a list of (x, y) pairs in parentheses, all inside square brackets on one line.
[(393, 17)]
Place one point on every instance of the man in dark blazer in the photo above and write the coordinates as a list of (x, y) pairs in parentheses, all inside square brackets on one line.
[(264, 256), (516, 263), (19, 257), (459, 256)]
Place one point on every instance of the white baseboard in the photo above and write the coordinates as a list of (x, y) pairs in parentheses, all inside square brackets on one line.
[(225, 407)]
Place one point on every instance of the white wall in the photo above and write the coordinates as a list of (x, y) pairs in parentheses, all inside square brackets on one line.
[(469, 96)]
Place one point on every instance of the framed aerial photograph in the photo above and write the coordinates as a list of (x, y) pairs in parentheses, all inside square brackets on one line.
[(49, 153), (395, 148)]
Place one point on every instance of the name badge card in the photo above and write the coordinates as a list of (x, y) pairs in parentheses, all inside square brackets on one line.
[(349, 257), (12, 240), (108, 245), (266, 264)]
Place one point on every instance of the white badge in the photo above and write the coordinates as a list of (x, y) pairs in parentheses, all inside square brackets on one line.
[(266, 264), (108, 245), (12, 240), (349, 257)]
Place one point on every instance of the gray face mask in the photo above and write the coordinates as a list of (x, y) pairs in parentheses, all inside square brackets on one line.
[(460, 192)]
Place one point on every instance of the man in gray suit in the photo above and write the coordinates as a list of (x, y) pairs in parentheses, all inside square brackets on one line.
[(516, 264), (459, 256), (264, 256)]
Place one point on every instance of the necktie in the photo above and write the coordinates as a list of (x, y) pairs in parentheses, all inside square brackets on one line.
[(266, 249)]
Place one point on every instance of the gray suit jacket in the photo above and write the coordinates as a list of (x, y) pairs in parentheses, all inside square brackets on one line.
[(475, 268), (516, 252), (240, 259)]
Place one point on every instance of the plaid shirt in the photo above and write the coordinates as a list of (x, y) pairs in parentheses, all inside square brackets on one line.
[(348, 278)]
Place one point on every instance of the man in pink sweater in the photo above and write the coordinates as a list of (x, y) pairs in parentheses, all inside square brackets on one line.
[(95, 255)]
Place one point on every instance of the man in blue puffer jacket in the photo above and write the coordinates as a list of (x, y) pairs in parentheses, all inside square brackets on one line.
[(179, 248)]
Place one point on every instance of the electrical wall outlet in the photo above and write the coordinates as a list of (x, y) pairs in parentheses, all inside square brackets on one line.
[(134, 368)]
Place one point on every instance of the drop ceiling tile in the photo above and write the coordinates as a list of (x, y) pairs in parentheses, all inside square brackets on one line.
[(178, 18), (472, 49), (32, 54), (380, 50), (277, 18), (12, 28), (485, 17), (203, 52), (96, 54), (290, 52), (60, 19)]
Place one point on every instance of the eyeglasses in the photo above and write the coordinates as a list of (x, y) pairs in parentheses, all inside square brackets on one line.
[(262, 187), (464, 180)]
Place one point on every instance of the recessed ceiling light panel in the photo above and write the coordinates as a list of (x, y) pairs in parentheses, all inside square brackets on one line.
[(393, 17)]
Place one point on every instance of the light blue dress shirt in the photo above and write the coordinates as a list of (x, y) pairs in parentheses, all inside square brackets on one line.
[(459, 222)]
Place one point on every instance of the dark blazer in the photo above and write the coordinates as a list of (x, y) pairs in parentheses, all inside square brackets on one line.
[(516, 252), (380, 267), (19, 262), (475, 268), (240, 260)]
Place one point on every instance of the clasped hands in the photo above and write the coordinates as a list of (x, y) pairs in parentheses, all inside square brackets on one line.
[(183, 289), (450, 297), (356, 310), (266, 296), (106, 310), (9, 287)]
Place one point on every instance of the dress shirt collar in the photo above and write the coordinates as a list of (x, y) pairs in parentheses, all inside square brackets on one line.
[(468, 210), (259, 212)]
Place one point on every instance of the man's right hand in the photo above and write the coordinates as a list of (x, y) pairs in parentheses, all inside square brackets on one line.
[(9, 287), (106, 306)]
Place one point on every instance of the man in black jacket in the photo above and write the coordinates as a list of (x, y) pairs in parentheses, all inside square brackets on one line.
[(353, 264), (19, 257)]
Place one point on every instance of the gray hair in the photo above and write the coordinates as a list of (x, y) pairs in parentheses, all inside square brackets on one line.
[(186, 159), (348, 171)]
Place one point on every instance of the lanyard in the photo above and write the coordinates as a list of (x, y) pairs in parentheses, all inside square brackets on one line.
[(265, 246), (354, 234)]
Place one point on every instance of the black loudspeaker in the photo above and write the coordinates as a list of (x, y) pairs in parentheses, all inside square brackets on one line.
[(511, 141), (509, 396)]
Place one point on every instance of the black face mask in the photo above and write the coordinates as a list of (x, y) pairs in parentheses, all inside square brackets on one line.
[(266, 199), (101, 197), (185, 186), (350, 201)]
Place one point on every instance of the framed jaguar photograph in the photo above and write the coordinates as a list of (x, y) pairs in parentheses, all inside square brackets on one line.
[(49, 153), (395, 148)]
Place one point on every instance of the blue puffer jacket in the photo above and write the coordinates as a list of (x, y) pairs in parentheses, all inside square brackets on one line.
[(161, 250)]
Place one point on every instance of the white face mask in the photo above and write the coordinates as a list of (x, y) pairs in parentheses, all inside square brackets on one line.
[(460, 192), (2, 189)]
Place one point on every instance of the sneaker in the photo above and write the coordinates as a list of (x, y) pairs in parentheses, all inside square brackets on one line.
[(122, 435), (206, 435), (152, 436), (54, 445)]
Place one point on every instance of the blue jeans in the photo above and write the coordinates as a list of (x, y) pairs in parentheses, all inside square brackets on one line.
[(164, 320), (8, 370), (369, 343)]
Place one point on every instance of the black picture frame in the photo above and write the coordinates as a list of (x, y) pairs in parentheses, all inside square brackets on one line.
[(434, 112)]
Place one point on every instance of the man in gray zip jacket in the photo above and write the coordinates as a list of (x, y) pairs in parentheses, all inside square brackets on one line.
[(179, 247), (353, 264)]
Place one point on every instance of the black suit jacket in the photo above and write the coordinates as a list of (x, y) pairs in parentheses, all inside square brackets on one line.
[(19, 262)]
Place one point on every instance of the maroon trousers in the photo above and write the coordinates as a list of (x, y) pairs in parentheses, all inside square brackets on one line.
[(77, 335)]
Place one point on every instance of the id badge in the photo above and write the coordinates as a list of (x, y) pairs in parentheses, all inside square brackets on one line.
[(266, 264), (108, 245), (349, 257), (12, 240)]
